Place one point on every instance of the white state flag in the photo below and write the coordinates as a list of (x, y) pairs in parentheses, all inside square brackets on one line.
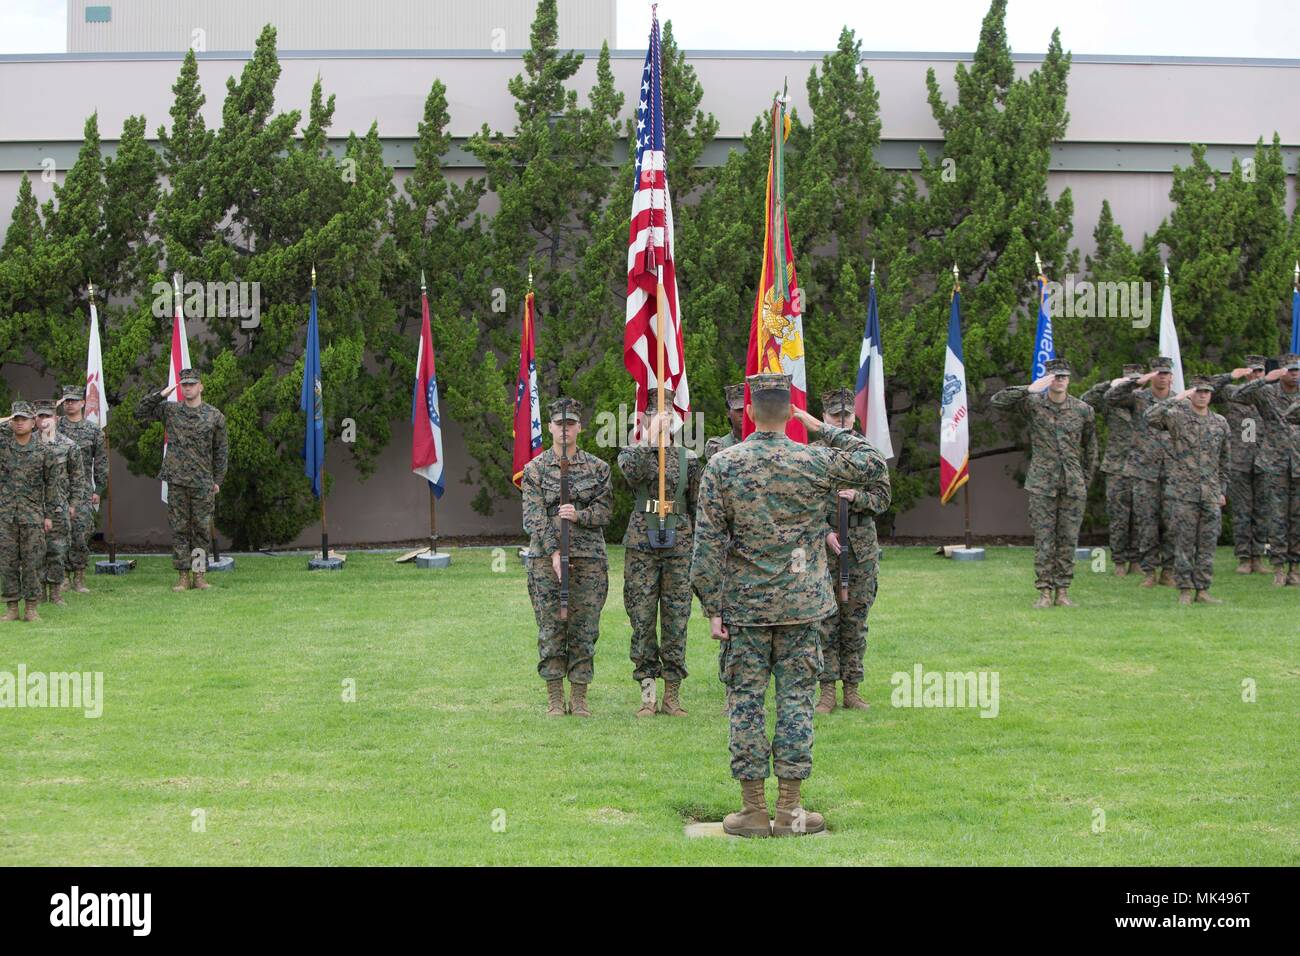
[(96, 399), (1169, 338)]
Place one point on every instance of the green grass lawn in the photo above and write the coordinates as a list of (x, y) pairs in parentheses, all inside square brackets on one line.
[(230, 702)]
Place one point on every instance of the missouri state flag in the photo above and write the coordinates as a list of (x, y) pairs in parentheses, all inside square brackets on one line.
[(426, 431), (869, 398), (528, 414), (954, 423), (776, 329)]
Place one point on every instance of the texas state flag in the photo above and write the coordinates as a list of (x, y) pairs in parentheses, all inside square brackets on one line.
[(426, 437)]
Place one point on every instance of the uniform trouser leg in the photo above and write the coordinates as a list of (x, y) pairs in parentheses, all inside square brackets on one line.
[(1195, 529), (1056, 523), (22, 557), (1119, 514), (844, 633), (56, 549), (1284, 534), (1166, 531), (82, 528), (657, 586), (1146, 522), (189, 516), (568, 648), (791, 653), (1263, 512)]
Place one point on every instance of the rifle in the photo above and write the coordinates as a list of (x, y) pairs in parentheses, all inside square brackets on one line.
[(844, 551), (564, 533)]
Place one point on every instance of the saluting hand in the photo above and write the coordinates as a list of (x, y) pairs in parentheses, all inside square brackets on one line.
[(1038, 384), (810, 422), (1276, 374), (1143, 379)]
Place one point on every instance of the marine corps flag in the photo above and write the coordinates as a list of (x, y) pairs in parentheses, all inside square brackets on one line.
[(776, 329), (954, 423), (528, 414)]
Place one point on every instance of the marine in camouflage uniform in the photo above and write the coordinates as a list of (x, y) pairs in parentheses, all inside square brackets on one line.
[(759, 569), (1197, 484), (94, 465), (1146, 468), (566, 648), (735, 395), (1252, 475), (844, 634), (1063, 459), (28, 497), (1272, 396), (1119, 487), (71, 488), (657, 581), (194, 468)]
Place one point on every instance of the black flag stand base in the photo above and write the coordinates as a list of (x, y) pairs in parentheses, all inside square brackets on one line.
[(325, 561), (114, 567)]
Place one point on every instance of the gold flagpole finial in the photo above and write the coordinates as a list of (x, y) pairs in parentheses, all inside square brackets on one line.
[(1038, 262), (176, 283), (956, 276), (313, 275), (422, 287), (873, 271), (1166, 273), (530, 278), (91, 287), (1297, 276)]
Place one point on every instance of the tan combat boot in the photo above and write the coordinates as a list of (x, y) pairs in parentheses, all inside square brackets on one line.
[(1044, 598), (555, 698), (1262, 566), (1063, 598), (1246, 566), (826, 702), (79, 584), (1203, 597), (1279, 576), (647, 708), (1149, 581), (200, 582), (1134, 567), (791, 819), (183, 582), (12, 613), (578, 700), (672, 699), (31, 614), (1167, 578), (1293, 578), (54, 594), (1185, 597), (1120, 569), (751, 820), (852, 699)]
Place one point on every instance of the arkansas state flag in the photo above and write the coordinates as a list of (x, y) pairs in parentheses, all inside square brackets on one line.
[(426, 436), (954, 428), (180, 357), (869, 400), (528, 414)]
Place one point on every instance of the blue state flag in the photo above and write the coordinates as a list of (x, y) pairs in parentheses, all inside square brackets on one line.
[(1295, 322), (1044, 345), (313, 443)]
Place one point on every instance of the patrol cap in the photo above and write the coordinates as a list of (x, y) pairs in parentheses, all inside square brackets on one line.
[(1133, 371), (1289, 361), (189, 377), (566, 409), (1256, 362), (76, 393), (1201, 383), (735, 395), (1057, 366), (837, 401), (1162, 363), (21, 410), (773, 383), (44, 407)]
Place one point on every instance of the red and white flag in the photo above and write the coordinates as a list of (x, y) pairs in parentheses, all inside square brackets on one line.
[(96, 401), (426, 422), (180, 356), (650, 253)]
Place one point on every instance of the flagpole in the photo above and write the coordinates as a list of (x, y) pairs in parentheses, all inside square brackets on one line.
[(965, 488), (433, 508), (324, 528), (108, 478)]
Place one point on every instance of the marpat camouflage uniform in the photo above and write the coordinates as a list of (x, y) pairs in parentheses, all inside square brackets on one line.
[(566, 648), (1197, 477), (1272, 401), (657, 581), (71, 488), (1122, 531), (94, 465), (1252, 474), (1146, 467), (718, 443), (28, 496), (196, 457), (760, 564), (1063, 459)]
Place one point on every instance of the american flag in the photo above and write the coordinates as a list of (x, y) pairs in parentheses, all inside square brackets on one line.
[(650, 251)]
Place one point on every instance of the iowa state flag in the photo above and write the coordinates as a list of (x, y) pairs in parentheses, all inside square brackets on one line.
[(776, 329), (426, 434), (528, 414), (869, 400), (954, 427)]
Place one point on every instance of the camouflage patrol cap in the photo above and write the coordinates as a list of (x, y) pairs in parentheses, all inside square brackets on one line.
[(1201, 383), (1289, 361), (1057, 366), (1133, 371), (76, 393), (44, 407), (735, 395), (773, 382), (1162, 363), (837, 401), (189, 377), (566, 409), (1255, 362), (21, 410)]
